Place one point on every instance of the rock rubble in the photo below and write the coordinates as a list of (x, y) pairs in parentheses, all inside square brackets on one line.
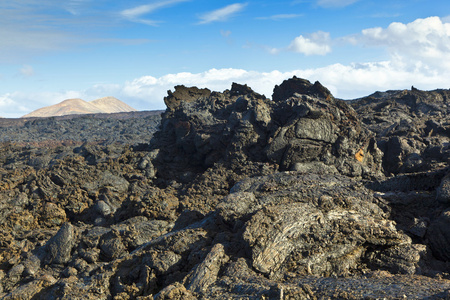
[(235, 196)]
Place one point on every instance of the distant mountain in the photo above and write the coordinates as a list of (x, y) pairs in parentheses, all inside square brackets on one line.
[(79, 106)]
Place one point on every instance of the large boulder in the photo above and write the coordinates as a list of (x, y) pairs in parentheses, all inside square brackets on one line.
[(299, 86), (303, 124), (59, 247), (183, 93), (311, 224)]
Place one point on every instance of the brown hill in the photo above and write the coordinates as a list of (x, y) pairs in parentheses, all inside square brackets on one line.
[(79, 106), (111, 105)]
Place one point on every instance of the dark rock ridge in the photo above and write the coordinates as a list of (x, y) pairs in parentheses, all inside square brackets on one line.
[(238, 126), (412, 128), (128, 127), (299, 86), (235, 197)]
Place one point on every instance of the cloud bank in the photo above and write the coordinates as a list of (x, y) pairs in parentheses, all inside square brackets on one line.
[(147, 92), (424, 43)]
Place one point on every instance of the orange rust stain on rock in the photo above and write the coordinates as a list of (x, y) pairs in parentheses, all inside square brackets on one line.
[(360, 155)]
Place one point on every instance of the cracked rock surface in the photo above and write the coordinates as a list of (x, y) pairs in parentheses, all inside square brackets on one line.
[(231, 195)]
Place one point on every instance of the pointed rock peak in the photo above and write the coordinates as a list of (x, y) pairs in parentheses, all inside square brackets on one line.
[(182, 93), (243, 89), (240, 89), (300, 86)]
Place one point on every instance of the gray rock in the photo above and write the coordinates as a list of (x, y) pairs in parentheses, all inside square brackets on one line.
[(318, 233), (15, 274), (92, 236), (239, 125), (402, 259), (314, 167), (70, 271), (162, 262), (206, 210), (207, 271), (182, 93), (316, 129), (419, 227), (111, 246), (238, 204), (33, 263), (300, 86), (409, 127), (103, 208), (108, 180), (438, 235), (143, 232), (26, 291), (175, 291), (443, 191), (302, 238), (60, 246)]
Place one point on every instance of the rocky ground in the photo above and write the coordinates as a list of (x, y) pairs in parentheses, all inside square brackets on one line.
[(125, 128), (236, 196)]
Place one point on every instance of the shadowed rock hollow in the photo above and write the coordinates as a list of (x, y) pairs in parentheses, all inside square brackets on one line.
[(236, 196)]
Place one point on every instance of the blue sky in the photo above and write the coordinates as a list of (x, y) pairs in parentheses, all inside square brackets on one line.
[(136, 50)]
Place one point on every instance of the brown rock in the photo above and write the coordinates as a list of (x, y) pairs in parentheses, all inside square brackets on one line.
[(176, 291), (207, 271), (53, 215), (185, 94)]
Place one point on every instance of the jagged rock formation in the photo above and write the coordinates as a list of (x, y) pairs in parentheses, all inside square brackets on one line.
[(299, 86), (412, 128), (413, 131), (236, 196), (239, 125), (79, 106)]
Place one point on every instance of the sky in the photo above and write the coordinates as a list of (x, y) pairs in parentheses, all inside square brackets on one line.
[(136, 50)]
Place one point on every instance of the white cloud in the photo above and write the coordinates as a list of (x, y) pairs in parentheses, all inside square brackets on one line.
[(317, 43), (424, 43), (335, 3), (135, 14), (361, 79), (222, 14), (6, 102)]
